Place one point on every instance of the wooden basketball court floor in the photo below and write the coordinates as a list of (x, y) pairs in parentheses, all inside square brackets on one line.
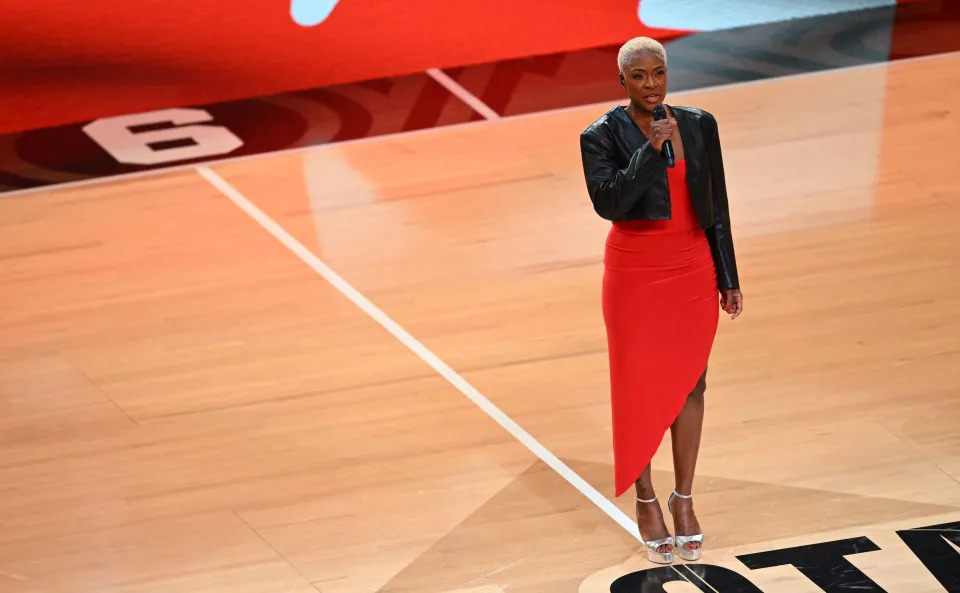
[(192, 401)]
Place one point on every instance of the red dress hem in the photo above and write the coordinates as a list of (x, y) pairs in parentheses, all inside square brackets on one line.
[(661, 310)]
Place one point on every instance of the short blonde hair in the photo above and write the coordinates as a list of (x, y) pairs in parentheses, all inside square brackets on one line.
[(631, 49)]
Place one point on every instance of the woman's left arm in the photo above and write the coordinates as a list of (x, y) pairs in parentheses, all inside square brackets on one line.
[(719, 235)]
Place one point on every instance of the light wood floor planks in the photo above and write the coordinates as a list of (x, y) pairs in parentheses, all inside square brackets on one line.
[(186, 407)]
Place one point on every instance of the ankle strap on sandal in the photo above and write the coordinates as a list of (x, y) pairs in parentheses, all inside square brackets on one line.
[(648, 501), (684, 496)]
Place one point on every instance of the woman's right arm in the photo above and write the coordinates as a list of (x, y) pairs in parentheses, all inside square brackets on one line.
[(615, 191)]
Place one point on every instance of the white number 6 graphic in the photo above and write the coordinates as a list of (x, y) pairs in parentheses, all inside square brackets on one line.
[(114, 135)]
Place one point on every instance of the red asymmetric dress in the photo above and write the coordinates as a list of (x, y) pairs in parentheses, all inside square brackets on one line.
[(661, 309)]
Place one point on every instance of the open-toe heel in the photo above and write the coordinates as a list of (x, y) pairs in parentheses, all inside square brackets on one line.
[(690, 547), (654, 546)]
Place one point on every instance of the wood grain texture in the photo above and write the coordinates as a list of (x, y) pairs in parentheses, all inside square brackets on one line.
[(185, 406)]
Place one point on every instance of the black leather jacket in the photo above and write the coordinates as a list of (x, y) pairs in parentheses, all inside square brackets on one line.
[(627, 178)]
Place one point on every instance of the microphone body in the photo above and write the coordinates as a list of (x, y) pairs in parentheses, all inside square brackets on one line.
[(660, 113)]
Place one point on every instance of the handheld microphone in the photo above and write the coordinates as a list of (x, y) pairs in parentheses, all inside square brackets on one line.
[(660, 113)]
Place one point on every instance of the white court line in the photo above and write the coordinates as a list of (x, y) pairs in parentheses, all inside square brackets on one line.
[(463, 94), (288, 241), (335, 145)]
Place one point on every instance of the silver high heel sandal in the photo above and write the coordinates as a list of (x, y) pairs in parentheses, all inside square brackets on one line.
[(687, 552), (653, 547)]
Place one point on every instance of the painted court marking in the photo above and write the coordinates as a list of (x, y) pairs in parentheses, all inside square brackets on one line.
[(463, 94), (414, 345), (174, 168)]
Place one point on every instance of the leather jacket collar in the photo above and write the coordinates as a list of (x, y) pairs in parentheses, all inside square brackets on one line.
[(627, 179)]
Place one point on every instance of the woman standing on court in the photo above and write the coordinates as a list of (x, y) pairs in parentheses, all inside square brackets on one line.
[(668, 254)]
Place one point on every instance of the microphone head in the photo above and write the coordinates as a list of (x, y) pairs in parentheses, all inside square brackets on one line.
[(659, 112)]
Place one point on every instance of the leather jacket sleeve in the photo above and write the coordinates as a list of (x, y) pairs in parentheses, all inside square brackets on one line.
[(719, 235), (612, 190)]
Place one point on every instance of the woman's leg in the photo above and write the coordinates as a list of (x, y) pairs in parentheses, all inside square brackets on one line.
[(685, 436), (649, 515)]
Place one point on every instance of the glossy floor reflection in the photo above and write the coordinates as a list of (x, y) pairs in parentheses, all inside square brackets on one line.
[(187, 406)]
